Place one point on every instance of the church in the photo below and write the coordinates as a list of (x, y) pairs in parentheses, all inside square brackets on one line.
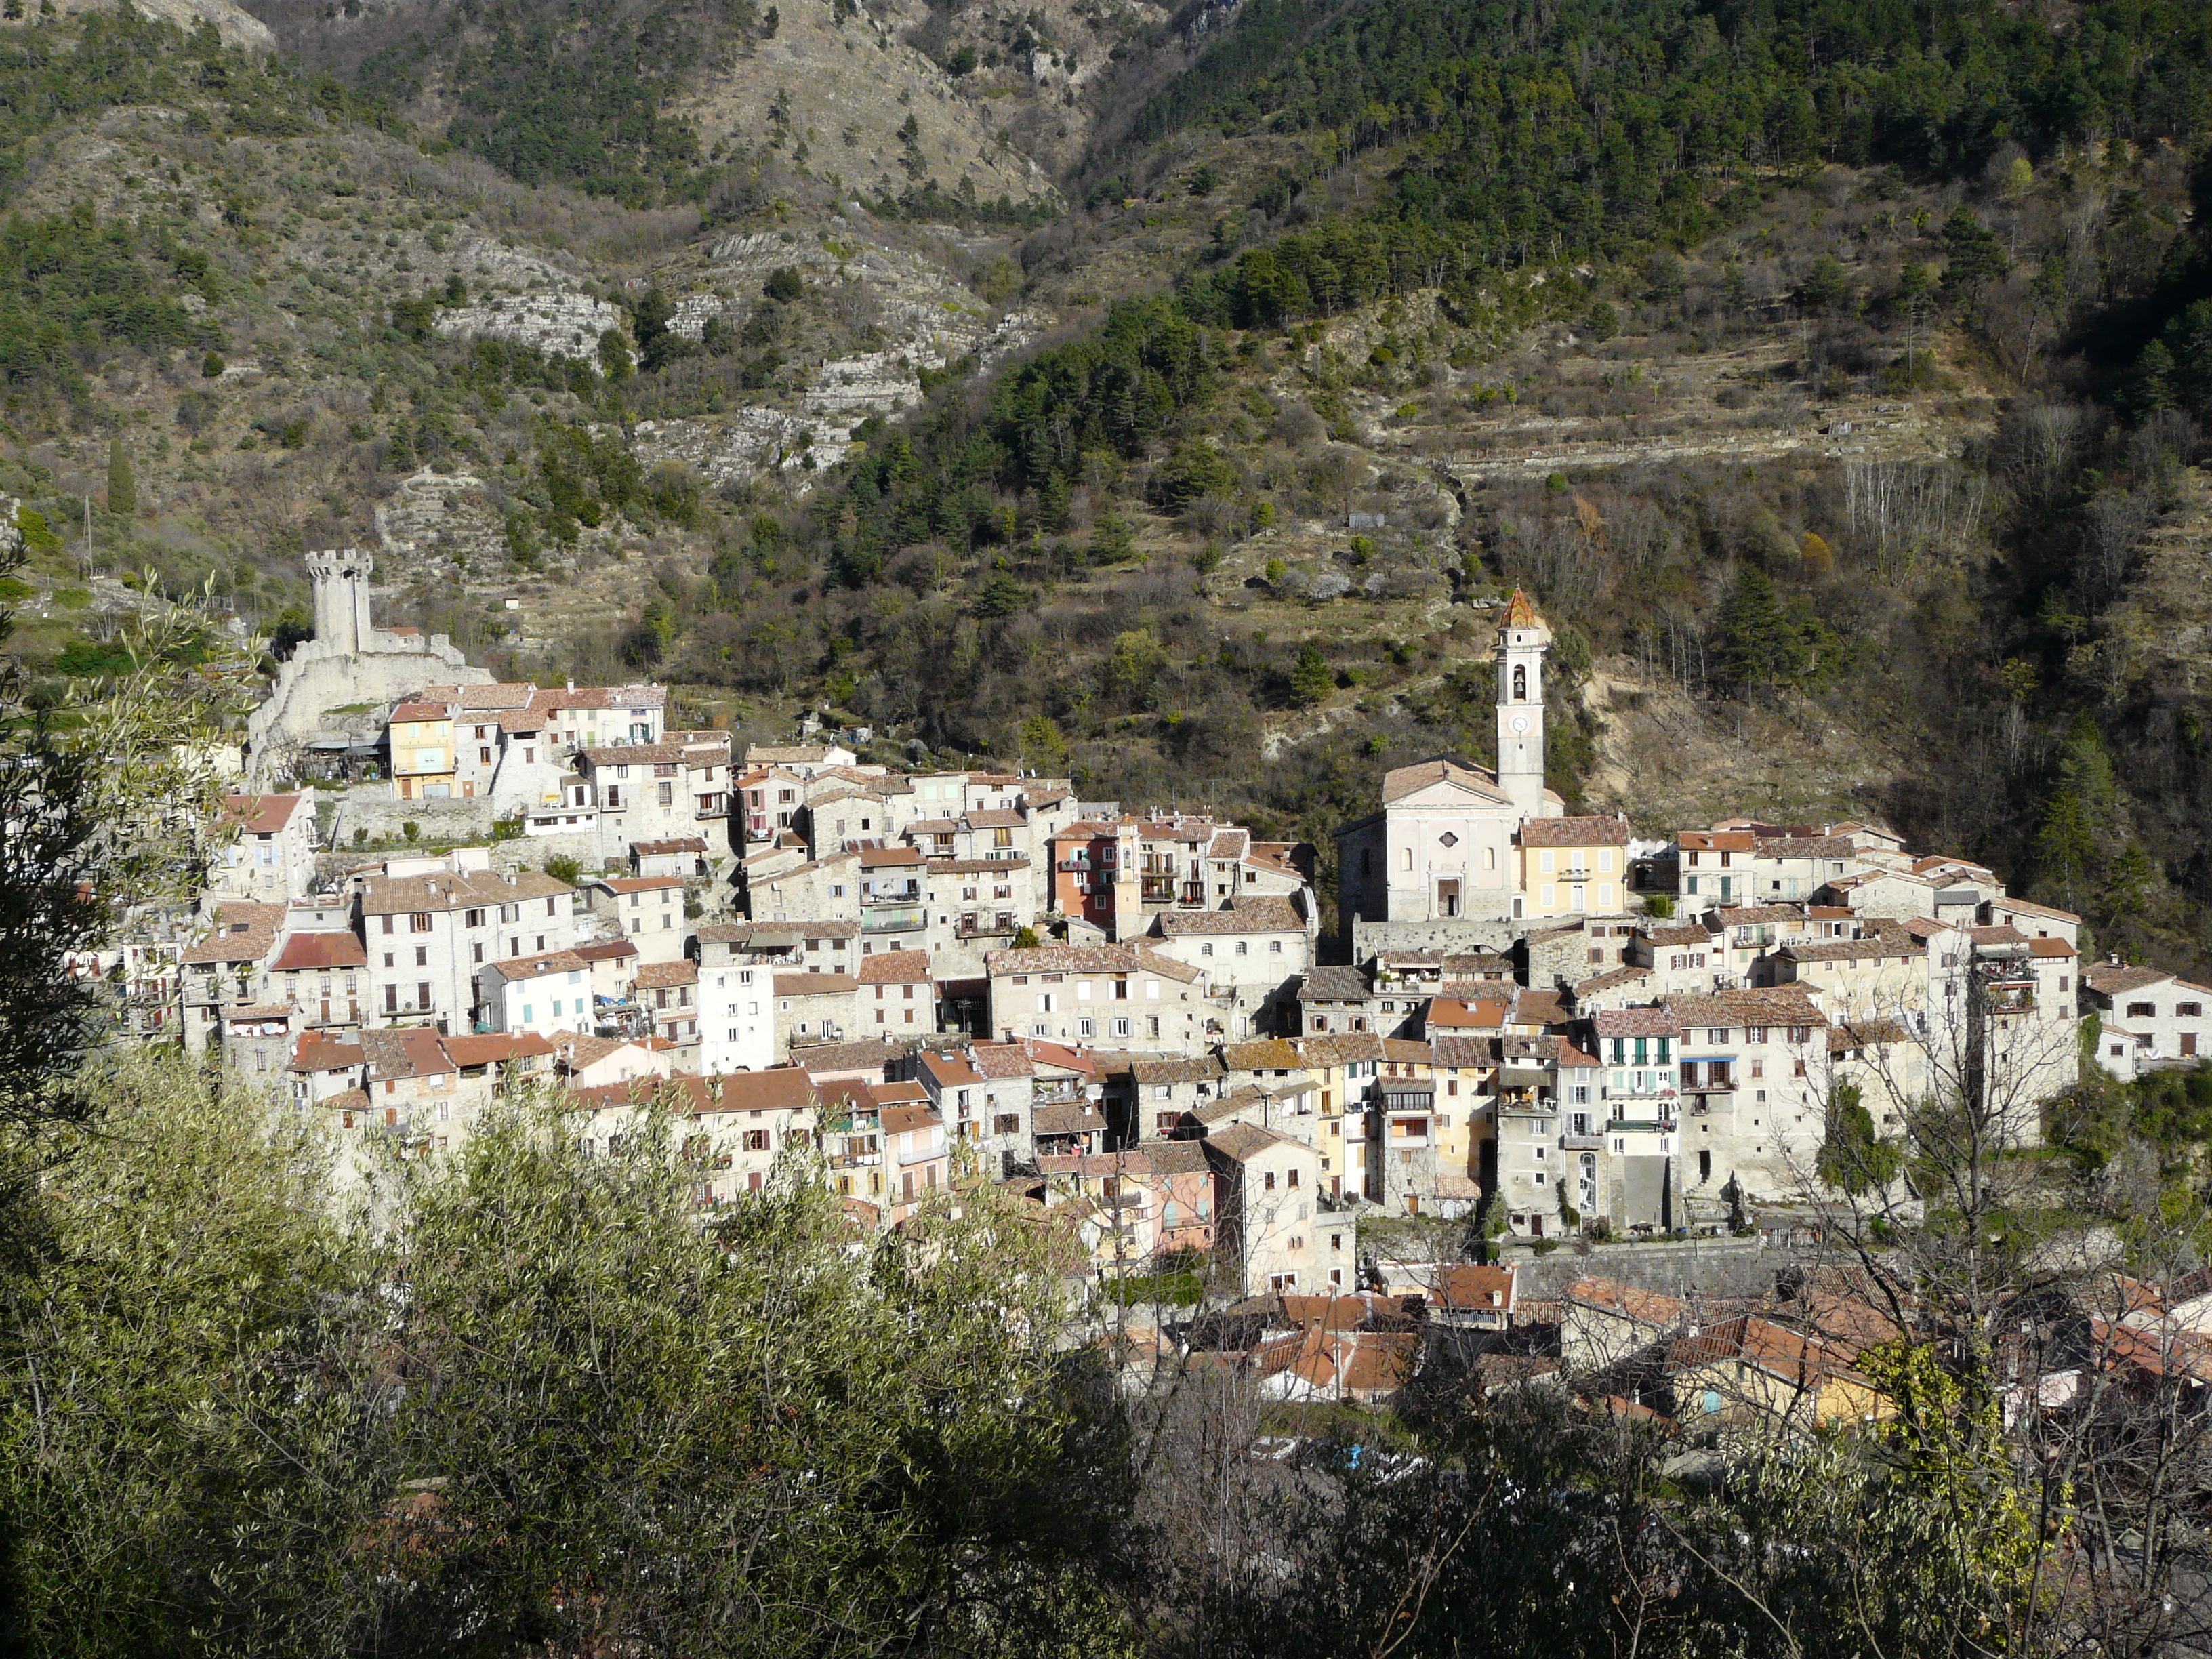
[(1456, 847)]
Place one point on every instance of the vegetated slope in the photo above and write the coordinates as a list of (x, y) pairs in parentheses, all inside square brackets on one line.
[(1788, 424), (1909, 615)]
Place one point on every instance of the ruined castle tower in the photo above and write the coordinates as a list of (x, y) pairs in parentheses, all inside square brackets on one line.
[(340, 577)]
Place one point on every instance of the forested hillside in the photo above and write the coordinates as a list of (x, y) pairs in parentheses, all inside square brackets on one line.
[(1831, 373)]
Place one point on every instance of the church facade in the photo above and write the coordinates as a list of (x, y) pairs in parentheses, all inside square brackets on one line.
[(1451, 848)]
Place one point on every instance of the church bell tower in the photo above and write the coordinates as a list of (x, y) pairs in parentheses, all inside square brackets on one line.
[(1522, 639)]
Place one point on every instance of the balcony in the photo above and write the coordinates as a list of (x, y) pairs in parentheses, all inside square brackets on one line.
[(1581, 1143), (1156, 889), (901, 919), (984, 927)]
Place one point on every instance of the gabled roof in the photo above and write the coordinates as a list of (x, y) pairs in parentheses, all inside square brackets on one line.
[(2107, 978), (1403, 780), (243, 933), (495, 1048), (1242, 1142), (537, 967), (652, 975), (895, 968), (318, 949), (260, 815), (1626, 1301), (1575, 832), (1259, 912), (1333, 985)]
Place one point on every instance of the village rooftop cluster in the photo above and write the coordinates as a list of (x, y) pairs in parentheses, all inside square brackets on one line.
[(1131, 1016)]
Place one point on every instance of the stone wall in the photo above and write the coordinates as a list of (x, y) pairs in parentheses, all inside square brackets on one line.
[(1673, 1267), (461, 822), (1455, 934)]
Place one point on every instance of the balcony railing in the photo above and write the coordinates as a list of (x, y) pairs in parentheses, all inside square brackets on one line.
[(881, 920), (981, 928)]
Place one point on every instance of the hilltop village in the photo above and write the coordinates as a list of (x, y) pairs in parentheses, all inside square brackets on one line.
[(1533, 1022)]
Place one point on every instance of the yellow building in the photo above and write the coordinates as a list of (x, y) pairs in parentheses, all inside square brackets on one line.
[(1573, 867), (422, 741)]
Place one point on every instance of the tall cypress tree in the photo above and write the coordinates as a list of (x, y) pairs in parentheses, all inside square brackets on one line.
[(122, 488)]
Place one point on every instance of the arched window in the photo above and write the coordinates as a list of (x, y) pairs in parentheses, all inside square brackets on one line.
[(1520, 682)]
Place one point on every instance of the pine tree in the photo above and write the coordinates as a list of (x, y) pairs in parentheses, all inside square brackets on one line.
[(1310, 681), (122, 488)]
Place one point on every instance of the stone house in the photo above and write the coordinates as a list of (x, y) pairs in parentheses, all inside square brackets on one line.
[(647, 910), (273, 857), (1265, 1200), (1118, 993)]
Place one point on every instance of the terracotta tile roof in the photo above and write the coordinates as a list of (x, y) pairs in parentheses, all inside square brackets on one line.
[(1715, 840), (1404, 781), (905, 1119), (501, 694), (1459, 1049), (495, 1048), (394, 1055), (1265, 913), (1333, 985), (1479, 1288), (1403, 1051), (1200, 1068), (1177, 1158), (660, 754), (601, 696), (1634, 1022), (1575, 832), (1449, 1013), (652, 849), (1850, 950), (243, 933), (1337, 1047), (446, 891), (310, 952), (949, 1071), (612, 950), (1626, 1301), (815, 985), (1262, 1054), (994, 819), (314, 1053), (895, 968), (1778, 1005), (552, 962), (1804, 847), (407, 714), (260, 815), (2050, 947), (1598, 984), (1002, 1060), (1086, 959), (1067, 1118), (1242, 1142), (652, 975), (2114, 979), (1681, 933), (778, 1089)]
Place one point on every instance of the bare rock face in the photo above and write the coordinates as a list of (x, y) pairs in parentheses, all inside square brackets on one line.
[(557, 324), (237, 26)]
